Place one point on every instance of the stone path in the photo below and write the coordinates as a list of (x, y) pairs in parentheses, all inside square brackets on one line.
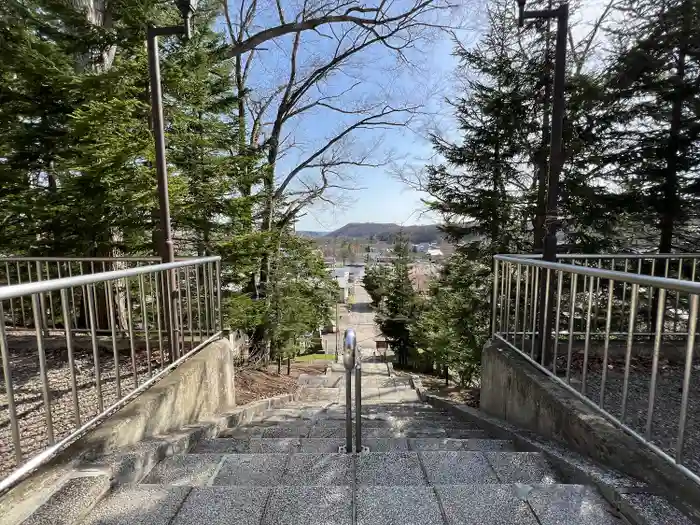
[(424, 467)]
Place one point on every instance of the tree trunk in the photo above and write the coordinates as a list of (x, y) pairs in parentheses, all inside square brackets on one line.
[(671, 202)]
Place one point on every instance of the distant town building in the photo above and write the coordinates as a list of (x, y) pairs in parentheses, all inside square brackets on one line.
[(342, 277), (434, 253)]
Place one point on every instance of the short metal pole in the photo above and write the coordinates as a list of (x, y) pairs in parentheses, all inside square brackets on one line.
[(348, 410), (358, 405), (349, 346)]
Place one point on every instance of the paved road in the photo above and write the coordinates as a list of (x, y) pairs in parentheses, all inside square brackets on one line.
[(361, 318)]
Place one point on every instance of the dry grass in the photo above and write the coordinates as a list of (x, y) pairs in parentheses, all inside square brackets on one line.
[(436, 386), (254, 384)]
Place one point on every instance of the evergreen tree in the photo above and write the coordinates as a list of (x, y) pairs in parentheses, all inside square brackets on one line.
[(653, 89), (480, 189), (453, 326), (400, 307)]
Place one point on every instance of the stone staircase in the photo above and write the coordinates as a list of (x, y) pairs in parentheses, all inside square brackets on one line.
[(424, 467)]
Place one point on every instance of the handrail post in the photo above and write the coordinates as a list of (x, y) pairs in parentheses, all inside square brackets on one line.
[(358, 403), (349, 345)]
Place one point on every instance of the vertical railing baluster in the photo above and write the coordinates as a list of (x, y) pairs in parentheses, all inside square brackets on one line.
[(199, 298), (572, 327), (517, 304), (9, 283), (586, 342), (506, 327), (606, 344), (180, 323), (218, 296), (21, 299), (144, 320), (211, 297), (502, 297), (36, 310), (9, 388), (544, 336), (65, 310), (536, 297), (555, 349), (91, 296), (655, 360), (526, 306), (690, 348), (206, 300), (494, 300), (159, 288), (628, 352), (50, 294), (188, 282), (113, 326), (678, 296), (130, 327)]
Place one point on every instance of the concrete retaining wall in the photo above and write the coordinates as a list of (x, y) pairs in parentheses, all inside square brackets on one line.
[(196, 392), (515, 391)]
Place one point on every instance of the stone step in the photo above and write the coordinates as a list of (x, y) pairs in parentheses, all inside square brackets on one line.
[(336, 429), (331, 445), (374, 468), (290, 505), (502, 503)]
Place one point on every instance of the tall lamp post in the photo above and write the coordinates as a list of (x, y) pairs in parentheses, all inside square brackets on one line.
[(187, 8), (556, 161)]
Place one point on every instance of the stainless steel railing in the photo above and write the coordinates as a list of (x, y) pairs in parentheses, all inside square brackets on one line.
[(23, 270), (670, 265), (57, 383), (622, 342)]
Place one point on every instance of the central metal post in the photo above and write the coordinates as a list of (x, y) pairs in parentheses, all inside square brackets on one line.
[(349, 345), (358, 404)]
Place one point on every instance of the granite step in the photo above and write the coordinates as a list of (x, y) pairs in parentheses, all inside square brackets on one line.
[(336, 429), (373, 468), (331, 445), (290, 505)]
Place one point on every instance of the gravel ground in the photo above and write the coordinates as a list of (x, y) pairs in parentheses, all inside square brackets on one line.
[(667, 404), (28, 393)]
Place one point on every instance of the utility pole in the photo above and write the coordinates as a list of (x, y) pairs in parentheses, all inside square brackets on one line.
[(556, 162), (337, 332)]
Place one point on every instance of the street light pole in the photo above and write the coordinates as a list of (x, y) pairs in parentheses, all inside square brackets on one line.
[(187, 8), (556, 162), (167, 251)]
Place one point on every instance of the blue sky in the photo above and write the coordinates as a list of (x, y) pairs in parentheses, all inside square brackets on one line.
[(379, 195), (368, 194)]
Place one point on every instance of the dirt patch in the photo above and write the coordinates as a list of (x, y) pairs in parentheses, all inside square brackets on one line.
[(252, 384), (435, 385)]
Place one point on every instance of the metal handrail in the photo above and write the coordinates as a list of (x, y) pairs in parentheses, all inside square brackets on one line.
[(190, 314), (17, 290), (17, 258), (631, 278), (606, 255), (618, 295)]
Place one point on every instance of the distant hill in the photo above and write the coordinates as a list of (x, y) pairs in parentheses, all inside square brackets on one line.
[(311, 234), (387, 232)]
